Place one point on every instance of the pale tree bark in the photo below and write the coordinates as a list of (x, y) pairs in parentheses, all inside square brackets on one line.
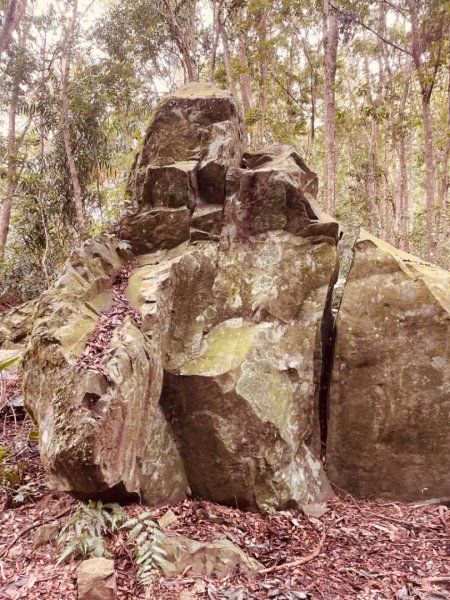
[(402, 208), (182, 42), (426, 81), (215, 40), (444, 184), (65, 74), (11, 170), (13, 16), (263, 75), (313, 92), (244, 77), (372, 186), (226, 55), (13, 144), (330, 43)]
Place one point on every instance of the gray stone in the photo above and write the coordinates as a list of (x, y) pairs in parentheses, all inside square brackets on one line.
[(96, 580), (389, 431)]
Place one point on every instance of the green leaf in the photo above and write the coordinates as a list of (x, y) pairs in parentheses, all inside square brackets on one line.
[(9, 362)]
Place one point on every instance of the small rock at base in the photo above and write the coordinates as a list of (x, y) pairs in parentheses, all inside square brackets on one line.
[(45, 534), (168, 518), (96, 580)]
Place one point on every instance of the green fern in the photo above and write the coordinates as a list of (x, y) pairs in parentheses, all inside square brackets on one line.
[(84, 533), (146, 538)]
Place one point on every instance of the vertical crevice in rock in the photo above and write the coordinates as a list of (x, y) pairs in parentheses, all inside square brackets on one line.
[(327, 334), (344, 262)]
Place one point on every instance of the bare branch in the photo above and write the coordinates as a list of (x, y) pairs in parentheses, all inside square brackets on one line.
[(382, 38)]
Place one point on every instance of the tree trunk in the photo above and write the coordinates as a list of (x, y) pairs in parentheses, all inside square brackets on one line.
[(426, 81), (181, 41), (403, 192), (11, 169), (244, 77), (312, 85), (65, 72), (227, 58), (445, 179), (215, 40), (262, 96), (12, 149), (14, 14), (430, 174), (330, 43)]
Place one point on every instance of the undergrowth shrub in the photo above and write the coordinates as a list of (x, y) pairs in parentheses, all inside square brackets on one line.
[(85, 533)]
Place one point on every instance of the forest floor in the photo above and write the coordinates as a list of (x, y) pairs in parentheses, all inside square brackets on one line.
[(360, 549)]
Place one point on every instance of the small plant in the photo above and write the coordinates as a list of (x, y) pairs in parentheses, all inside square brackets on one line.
[(11, 475), (84, 533), (146, 537)]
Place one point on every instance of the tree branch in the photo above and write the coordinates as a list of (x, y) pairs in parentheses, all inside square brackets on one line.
[(382, 38)]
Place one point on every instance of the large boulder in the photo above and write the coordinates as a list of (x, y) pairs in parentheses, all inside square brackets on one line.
[(197, 362), (389, 427), (194, 136)]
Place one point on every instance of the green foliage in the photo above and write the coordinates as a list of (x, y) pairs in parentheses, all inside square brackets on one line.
[(9, 362), (146, 538), (11, 476), (84, 533)]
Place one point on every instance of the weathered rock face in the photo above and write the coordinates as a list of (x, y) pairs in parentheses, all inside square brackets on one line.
[(194, 137), (96, 580), (208, 378), (16, 324), (199, 358), (389, 427)]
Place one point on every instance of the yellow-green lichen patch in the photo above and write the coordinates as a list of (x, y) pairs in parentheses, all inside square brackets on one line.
[(224, 349), (268, 391)]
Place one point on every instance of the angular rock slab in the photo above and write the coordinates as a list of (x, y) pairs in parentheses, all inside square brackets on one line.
[(198, 122), (217, 559), (94, 426), (96, 580), (244, 409), (389, 426), (172, 186), (17, 323)]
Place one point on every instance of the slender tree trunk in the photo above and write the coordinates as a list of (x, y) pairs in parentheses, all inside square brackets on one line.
[(11, 186), (430, 177), (65, 73), (244, 77), (330, 43), (13, 16), (181, 40), (262, 95), (403, 191), (313, 92), (227, 58), (215, 40), (12, 147), (426, 82), (444, 183)]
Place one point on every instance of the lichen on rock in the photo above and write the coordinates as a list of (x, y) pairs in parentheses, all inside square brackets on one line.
[(211, 365)]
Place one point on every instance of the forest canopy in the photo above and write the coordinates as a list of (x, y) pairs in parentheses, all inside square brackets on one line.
[(360, 88)]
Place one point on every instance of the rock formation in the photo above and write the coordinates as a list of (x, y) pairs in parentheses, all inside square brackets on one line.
[(389, 425), (192, 350), (207, 379)]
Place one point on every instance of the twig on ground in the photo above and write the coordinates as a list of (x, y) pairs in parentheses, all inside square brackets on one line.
[(31, 527), (299, 561)]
